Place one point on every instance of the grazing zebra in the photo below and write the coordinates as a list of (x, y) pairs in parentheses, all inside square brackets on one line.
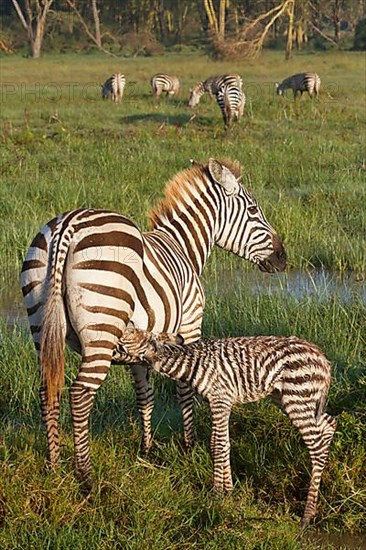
[(294, 372), (88, 273), (164, 83), (302, 82), (212, 85), (231, 101), (113, 87)]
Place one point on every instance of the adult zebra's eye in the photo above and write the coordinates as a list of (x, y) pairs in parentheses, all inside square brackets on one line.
[(252, 209)]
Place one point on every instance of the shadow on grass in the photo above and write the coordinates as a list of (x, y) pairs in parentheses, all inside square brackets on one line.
[(160, 118)]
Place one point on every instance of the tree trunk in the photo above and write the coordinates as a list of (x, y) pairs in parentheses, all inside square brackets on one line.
[(336, 20), (36, 45), (211, 16), (98, 38), (290, 30), (35, 34), (222, 18)]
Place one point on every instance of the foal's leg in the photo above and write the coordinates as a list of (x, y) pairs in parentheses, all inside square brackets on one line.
[(220, 446), (317, 432), (318, 445), (185, 399), (145, 403)]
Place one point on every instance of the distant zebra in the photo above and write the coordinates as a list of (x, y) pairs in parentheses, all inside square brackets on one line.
[(302, 82), (113, 87), (88, 273), (212, 85), (164, 83), (231, 100), (294, 372)]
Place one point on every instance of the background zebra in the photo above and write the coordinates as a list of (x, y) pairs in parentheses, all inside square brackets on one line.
[(88, 273), (294, 372), (164, 83), (231, 100), (113, 87), (302, 82), (212, 85)]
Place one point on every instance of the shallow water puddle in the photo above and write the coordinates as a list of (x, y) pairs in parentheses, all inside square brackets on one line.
[(322, 285)]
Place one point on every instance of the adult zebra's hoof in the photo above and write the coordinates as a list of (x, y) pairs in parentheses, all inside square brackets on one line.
[(86, 484)]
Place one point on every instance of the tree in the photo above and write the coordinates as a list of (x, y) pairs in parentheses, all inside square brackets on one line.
[(33, 18), (96, 37)]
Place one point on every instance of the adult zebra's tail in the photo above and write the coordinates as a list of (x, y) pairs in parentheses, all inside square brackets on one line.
[(53, 334)]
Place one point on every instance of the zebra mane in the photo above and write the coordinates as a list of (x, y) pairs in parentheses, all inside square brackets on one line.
[(182, 185)]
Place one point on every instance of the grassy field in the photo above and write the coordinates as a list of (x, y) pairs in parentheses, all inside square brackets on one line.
[(63, 147)]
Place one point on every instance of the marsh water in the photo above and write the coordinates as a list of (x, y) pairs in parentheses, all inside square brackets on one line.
[(322, 285)]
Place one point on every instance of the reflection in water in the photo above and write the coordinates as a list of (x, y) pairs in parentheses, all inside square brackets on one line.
[(321, 285), (339, 541)]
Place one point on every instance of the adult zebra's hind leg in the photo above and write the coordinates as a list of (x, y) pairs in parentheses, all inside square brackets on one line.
[(93, 371), (50, 417), (145, 403)]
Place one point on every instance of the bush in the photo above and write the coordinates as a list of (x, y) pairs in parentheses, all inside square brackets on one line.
[(139, 44)]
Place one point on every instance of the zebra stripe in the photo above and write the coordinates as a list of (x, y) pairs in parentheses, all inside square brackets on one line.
[(212, 85), (88, 273), (113, 87), (164, 83), (231, 101), (302, 82), (294, 372)]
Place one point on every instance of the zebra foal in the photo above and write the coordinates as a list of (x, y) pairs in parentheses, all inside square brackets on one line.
[(301, 82), (293, 372), (114, 87), (164, 83)]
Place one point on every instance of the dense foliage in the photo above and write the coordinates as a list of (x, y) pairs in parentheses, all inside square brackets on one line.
[(143, 27)]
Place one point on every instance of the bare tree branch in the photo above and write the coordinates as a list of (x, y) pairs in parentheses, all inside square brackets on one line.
[(323, 34), (20, 14), (97, 37)]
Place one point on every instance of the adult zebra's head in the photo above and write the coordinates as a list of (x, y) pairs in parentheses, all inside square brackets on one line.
[(195, 94), (242, 227)]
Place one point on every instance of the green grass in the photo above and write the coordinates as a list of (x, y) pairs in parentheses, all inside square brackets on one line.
[(63, 147)]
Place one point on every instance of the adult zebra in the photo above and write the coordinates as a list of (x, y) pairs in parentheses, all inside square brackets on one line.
[(114, 87), (301, 82), (231, 100), (212, 85), (89, 272), (164, 83)]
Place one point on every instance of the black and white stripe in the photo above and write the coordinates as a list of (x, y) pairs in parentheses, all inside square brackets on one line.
[(294, 372), (231, 100), (88, 273), (301, 82), (113, 87), (164, 83), (212, 85)]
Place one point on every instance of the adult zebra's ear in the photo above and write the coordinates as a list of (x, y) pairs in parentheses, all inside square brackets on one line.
[(223, 176)]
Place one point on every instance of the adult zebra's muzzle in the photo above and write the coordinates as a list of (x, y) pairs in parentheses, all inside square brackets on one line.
[(277, 260)]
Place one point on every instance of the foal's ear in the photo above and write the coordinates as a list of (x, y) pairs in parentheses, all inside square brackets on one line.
[(223, 176)]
